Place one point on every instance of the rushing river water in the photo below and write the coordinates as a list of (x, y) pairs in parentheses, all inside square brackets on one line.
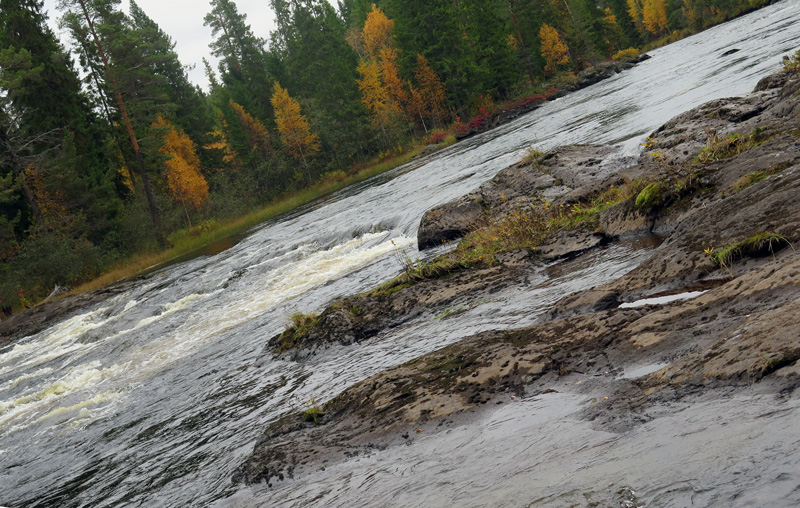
[(155, 396)]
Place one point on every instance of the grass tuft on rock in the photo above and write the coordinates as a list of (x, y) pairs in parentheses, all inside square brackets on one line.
[(758, 245), (753, 178), (313, 415), (532, 157), (528, 224), (651, 196), (792, 63), (723, 148), (295, 331)]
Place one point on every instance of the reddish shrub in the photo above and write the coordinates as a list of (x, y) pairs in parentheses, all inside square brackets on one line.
[(477, 121), (438, 136), (461, 128)]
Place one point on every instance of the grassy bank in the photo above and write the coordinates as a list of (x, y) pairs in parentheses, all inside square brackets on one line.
[(189, 242)]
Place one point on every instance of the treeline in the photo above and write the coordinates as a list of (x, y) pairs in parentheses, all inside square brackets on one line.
[(107, 149)]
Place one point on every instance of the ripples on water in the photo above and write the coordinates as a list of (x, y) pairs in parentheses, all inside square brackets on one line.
[(153, 397)]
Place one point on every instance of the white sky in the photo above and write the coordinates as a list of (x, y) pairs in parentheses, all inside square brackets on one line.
[(183, 21)]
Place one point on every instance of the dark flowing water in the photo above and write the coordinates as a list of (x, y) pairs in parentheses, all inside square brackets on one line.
[(155, 396)]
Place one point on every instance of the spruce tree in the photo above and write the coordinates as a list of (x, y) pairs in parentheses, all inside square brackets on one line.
[(243, 66), (46, 117), (186, 101)]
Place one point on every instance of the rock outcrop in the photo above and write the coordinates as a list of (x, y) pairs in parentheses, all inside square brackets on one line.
[(740, 331), (565, 175)]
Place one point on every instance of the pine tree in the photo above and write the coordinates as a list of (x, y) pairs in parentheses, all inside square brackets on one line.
[(465, 42), (47, 113), (487, 29), (99, 25), (309, 42), (243, 64), (623, 18), (433, 28), (158, 50)]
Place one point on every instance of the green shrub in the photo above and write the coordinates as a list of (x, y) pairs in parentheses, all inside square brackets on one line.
[(313, 414), (449, 140)]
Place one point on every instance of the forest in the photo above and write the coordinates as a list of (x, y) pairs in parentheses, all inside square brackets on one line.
[(108, 151)]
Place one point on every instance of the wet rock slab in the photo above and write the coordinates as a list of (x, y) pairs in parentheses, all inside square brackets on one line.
[(738, 334), (567, 244)]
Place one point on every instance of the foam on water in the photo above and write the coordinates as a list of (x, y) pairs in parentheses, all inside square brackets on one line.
[(196, 326), (31, 405), (57, 341)]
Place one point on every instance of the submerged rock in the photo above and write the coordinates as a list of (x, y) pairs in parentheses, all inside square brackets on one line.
[(567, 244), (603, 70), (740, 333)]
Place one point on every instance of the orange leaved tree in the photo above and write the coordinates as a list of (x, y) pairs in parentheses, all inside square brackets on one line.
[(554, 50), (431, 89), (654, 16), (295, 132), (182, 166), (377, 32), (385, 94)]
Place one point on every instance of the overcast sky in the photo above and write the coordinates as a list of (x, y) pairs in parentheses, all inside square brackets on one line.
[(183, 21)]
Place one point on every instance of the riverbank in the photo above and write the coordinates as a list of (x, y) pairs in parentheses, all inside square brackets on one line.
[(711, 314), (214, 236)]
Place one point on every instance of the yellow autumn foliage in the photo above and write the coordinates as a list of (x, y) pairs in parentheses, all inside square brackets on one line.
[(374, 95), (259, 137), (431, 89), (654, 16), (294, 128), (182, 167), (377, 32), (554, 50), (221, 143)]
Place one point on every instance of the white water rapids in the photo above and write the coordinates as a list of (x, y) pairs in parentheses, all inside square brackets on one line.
[(155, 396)]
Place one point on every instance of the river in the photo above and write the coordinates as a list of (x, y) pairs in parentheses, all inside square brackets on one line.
[(155, 396)]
